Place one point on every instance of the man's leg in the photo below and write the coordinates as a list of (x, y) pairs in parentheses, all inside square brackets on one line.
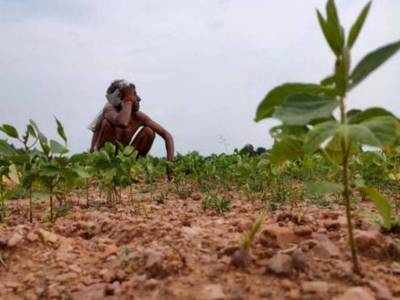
[(144, 140), (106, 133)]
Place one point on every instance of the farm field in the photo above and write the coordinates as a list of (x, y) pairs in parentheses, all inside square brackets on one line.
[(180, 239), (316, 216), (175, 250)]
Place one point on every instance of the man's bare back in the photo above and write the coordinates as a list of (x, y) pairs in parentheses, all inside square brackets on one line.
[(121, 124)]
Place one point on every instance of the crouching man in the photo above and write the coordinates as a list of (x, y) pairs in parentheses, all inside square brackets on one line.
[(122, 122)]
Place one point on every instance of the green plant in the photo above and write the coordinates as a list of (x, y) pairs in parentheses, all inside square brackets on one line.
[(241, 256), (216, 203), (23, 159), (114, 168), (310, 106), (389, 220), (160, 197), (248, 237)]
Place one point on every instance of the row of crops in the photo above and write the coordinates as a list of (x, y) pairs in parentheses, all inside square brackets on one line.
[(31, 164)]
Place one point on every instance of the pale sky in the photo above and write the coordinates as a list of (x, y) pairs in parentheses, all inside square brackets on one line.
[(200, 66)]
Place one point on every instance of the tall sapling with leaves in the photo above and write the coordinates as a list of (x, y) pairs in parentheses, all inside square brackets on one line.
[(309, 107)]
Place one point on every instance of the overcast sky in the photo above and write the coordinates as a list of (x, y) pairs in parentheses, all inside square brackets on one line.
[(200, 66)]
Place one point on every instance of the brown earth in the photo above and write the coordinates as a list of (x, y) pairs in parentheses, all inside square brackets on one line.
[(145, 249)]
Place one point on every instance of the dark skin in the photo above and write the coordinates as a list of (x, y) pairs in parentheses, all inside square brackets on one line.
[(120, 125)]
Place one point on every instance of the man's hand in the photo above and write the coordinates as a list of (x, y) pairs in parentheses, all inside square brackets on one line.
[(169, 141)]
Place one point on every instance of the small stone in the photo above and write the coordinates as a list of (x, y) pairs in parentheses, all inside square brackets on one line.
[(303, 230), (151, 284), (356, 293), (65, 277), (325, 248), (370, 242), (107, 275), (315, 287), (48, 237), (64, 252), (191, 233), (382, 292), (15, 239), (32, 237), (212, 292), (75, 268), (196, 196), (280, 264), (300, 261), (392, 248), (277, 236), (240, 258), (109, 290), (154, 264), (3, 243), (109, 250), (12, 284), (395, 268), (331, 225), (294, 294)]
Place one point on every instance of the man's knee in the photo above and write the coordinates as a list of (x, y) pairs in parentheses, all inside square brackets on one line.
[(105, 124), (148, 132)]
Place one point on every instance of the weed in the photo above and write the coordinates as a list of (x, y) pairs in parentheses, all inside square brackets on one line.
[(216, 203)]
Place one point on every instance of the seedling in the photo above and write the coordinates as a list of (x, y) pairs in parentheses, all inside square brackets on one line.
[(216, 203)]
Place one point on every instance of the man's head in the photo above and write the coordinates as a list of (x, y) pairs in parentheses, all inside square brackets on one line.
[(121, 90)]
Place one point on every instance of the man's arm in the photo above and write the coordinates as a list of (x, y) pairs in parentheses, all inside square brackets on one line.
[(161, 131), (121, 118)]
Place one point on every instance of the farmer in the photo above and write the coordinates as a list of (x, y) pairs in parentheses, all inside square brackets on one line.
[(122, 122)]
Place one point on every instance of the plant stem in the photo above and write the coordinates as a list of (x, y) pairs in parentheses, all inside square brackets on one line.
[(346, 187), (51, 203), (30, 205), (87, 192)]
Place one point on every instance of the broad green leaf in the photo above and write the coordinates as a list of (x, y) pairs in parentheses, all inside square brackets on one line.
[(49, 171), (352, 112), (278, 95), (6, 149), (322, 120), (57, 148), (277, 132), (10, 131), (288, 148), (42, 138), (300, 109), (382, 205), (60, 130), (360, 134), (358, 116), (324, 187), (319, 134), (328, 81), (79, 158), (384, 128), (82, 172), (372, 61), (357, 26), (334, 149)]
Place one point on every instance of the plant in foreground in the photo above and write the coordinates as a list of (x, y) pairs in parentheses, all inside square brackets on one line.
[(241, 257), (310, 107)]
